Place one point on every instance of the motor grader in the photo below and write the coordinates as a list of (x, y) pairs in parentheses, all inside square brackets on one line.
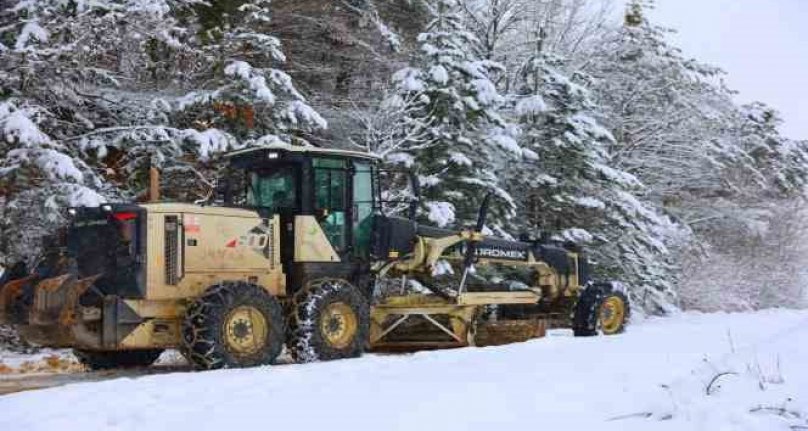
[(299, 251)]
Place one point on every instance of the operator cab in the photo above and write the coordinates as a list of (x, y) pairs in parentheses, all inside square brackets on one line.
[(336, 189)]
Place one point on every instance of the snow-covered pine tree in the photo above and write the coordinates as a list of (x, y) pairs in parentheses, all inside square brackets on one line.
[(753, 233), (39, 178), (125, 85), (565, 185), (91, 64), (468, 141), (40, 173), (238, 90), (782, 161), (664, 110), (235, 93), (679, 131), (768, 170)]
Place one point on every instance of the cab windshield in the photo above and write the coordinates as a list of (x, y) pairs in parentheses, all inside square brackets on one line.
[(272, 189)]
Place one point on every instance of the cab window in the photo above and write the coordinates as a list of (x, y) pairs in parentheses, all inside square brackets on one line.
[(330, 191), (273, 189), (363, 207)]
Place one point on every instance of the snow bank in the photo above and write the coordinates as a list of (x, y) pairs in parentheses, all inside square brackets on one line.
[(559, 382)]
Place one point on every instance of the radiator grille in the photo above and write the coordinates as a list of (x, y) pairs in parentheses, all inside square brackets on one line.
[(171, 251)]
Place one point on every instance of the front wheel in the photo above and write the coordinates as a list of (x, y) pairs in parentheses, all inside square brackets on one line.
[(330, 319), (613, 313), (600, 308)]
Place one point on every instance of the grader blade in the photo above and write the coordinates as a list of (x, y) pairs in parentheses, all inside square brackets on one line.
[(508, 331), (417, 322)]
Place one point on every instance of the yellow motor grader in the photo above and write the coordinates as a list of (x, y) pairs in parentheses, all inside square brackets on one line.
[(299, 253)]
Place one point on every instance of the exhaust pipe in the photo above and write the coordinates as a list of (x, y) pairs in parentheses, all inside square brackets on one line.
[(154, 184)]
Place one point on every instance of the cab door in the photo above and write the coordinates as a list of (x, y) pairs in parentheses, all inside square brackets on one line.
[(362, 208), (332, 201)]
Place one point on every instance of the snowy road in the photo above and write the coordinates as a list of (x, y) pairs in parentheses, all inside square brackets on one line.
[(656, 376)]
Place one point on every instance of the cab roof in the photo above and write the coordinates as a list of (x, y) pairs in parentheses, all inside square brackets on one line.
[(299, 149)]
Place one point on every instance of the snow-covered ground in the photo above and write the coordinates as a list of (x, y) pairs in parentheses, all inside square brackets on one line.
[(656, 376)]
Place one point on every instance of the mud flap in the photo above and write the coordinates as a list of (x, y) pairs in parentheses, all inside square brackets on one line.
[(118, 321)]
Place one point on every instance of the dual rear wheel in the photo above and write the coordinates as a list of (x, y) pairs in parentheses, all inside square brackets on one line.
[(238, 324)]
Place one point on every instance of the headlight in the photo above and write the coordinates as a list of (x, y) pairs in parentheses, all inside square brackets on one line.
[(72, 212), (106, 208)]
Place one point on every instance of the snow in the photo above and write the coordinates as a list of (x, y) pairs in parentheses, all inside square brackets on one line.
[(580, 236), (209, 142), (442, 267), (487, 93), (256, 81), (621, 177), (429, 180), (300, 113), (653, 377), (392, 38), (17, 126), (529, 154), (409, 79), (590, 202), (439, 74), (441, 213), (157, 8), (30, 31), (403, 159), (504, 139), (459, 159), (55, 164), (82, 196), (531, 105)]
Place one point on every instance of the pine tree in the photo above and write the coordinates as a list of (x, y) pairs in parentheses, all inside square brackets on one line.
[(39, 178), (781, 161), (240, 91), (122, 86), (566, 187), (467, 137)]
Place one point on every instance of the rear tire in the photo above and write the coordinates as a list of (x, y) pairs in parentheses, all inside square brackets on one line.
[(105, 360), (329, 319), (233, 324)]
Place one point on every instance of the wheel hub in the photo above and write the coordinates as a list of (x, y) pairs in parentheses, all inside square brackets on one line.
[(338, 324), (612, 314), (245, 330)]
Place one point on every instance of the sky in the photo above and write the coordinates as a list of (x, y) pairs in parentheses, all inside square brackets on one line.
[(761, 44)]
